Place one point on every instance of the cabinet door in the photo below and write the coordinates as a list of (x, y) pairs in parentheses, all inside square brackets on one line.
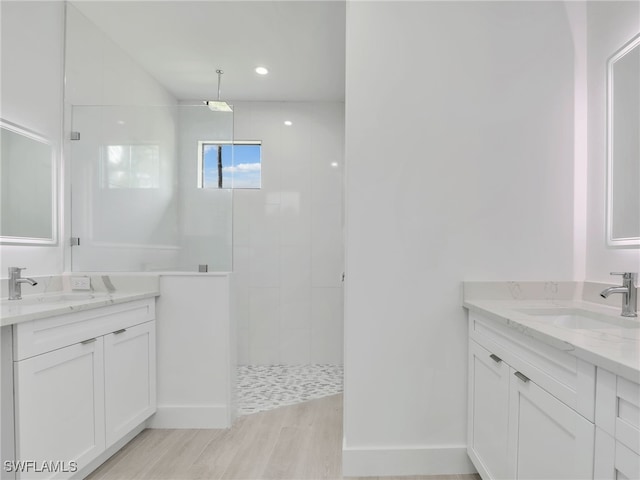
[(627, 463), (130, 379), (548, 440), (59, 407), (614, 461), (488, 412)]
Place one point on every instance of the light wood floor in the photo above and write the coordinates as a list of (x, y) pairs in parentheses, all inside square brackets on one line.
[(302, 441)]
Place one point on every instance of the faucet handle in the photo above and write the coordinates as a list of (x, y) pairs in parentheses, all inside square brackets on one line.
[(16, 269), (626, 275)]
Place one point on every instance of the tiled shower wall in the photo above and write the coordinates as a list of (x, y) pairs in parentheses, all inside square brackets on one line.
[(288, 236)]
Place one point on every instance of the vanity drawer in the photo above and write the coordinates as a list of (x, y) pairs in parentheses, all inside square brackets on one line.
[(566, 377), (47, 334), (618, 408)]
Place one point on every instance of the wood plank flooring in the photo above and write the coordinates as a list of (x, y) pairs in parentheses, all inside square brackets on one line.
[(301, 442)]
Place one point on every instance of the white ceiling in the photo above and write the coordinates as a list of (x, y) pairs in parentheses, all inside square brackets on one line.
[(181, 43)]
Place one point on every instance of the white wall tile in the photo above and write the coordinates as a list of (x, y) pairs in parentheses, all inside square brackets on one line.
[(295, 346), (326, 182), (241, 264), (295, 302), (240, 297), (296, 139), (242, 204), (264, 307), (295, 174), (243, 122), (264, 356), (284, 253), (327, 255), (264, 266), (264, 227), (295, 211), (295, 266), (327, 325), (295, 286), (264, 322), (327, 262), (243, 346)]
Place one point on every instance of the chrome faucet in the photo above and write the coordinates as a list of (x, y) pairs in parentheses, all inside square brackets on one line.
[(15, 283), (628, 291)]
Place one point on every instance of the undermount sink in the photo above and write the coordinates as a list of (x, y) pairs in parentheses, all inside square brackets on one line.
[(48, 299), (578, 319)]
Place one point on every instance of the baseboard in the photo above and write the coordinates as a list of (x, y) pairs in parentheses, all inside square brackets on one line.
[(409, 460), (191, 416)]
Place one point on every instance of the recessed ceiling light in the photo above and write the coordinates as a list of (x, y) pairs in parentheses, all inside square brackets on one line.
[(261, 70), (334, 164), (288, 123)]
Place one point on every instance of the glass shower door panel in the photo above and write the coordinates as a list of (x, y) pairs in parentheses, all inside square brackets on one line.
[(206, 214), (135, 200), (124, 198)]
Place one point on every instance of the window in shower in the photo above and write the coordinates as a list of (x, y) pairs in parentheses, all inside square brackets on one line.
[(229, 165), (130, 166)]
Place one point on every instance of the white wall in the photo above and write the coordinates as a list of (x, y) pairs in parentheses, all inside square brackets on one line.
[(31, 96), (120, 229), (610, 25), (31, 91), (288, 236), (99, 72), (459, 166)]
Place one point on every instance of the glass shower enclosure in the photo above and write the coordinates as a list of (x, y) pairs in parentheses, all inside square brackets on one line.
[(136, 200)]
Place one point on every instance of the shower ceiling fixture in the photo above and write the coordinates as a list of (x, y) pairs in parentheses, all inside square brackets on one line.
[(218, 105)]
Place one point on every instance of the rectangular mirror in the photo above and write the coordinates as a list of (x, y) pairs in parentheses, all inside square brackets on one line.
[(28, 183), (623, 146)]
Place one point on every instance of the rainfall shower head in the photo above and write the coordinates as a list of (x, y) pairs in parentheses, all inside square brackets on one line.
[(218, 105)]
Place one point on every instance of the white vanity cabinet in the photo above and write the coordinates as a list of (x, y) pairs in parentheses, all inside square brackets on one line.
[(82, 381), (530, 407), (617, 427), (488, 427), (547, 439), (130, 379), (59, 405)]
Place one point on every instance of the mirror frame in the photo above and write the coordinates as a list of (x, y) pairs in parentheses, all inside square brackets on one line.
[(53, 240), (611, 241)]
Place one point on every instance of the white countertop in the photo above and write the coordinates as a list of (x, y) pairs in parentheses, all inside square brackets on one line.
[(615, 348), (53, 294), (33, 307)]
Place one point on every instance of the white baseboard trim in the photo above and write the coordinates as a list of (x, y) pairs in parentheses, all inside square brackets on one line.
[(191, 416), (409, 460)]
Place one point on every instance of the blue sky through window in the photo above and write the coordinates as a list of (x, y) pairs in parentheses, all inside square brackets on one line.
[(241, 165)]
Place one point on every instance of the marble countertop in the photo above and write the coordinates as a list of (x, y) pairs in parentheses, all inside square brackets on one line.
[(33, 307), (53, 294), (614, 345)]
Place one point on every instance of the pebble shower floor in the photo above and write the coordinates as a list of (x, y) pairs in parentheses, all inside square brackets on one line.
[(265, 387)]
